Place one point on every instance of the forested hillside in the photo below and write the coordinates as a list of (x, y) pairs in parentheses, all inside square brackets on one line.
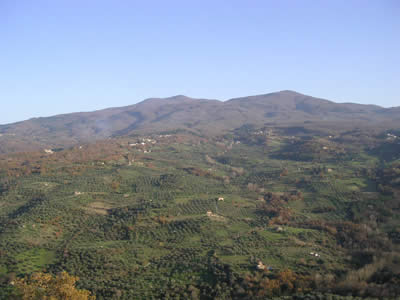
[(254, 213), (199, 116)]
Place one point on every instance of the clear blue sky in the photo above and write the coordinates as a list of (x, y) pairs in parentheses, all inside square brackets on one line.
[(81, 55)]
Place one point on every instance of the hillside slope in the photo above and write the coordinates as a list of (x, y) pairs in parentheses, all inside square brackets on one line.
[(181, 112)]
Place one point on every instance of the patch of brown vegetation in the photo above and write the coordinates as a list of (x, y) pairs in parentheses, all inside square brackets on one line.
[(215, 217), (97, 207)]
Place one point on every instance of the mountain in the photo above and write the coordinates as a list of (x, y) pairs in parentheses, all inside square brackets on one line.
[(298, 198), (181, 112)]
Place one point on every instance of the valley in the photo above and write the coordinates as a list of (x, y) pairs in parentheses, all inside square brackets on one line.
[(256, 212)]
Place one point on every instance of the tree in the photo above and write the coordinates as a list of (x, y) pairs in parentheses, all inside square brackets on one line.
[(47, 287)]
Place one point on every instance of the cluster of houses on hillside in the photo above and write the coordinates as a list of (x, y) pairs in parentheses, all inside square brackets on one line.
[(391, 136), (143, 142), (142, 145)]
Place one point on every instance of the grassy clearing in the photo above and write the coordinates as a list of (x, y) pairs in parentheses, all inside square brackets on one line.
[(33, 260)]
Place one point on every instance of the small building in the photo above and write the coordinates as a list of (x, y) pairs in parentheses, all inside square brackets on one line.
[(209, 213), (314, 254), (261, 266), (221, 199)]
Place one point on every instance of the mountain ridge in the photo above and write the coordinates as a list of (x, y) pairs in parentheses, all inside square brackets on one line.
[(205, 116)]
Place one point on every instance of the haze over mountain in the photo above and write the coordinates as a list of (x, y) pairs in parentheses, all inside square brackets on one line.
[(180, 112)]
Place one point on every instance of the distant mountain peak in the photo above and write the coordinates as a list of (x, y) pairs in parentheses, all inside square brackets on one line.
[(179, 97), (176, 98), (290, 92), (199, 115)]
